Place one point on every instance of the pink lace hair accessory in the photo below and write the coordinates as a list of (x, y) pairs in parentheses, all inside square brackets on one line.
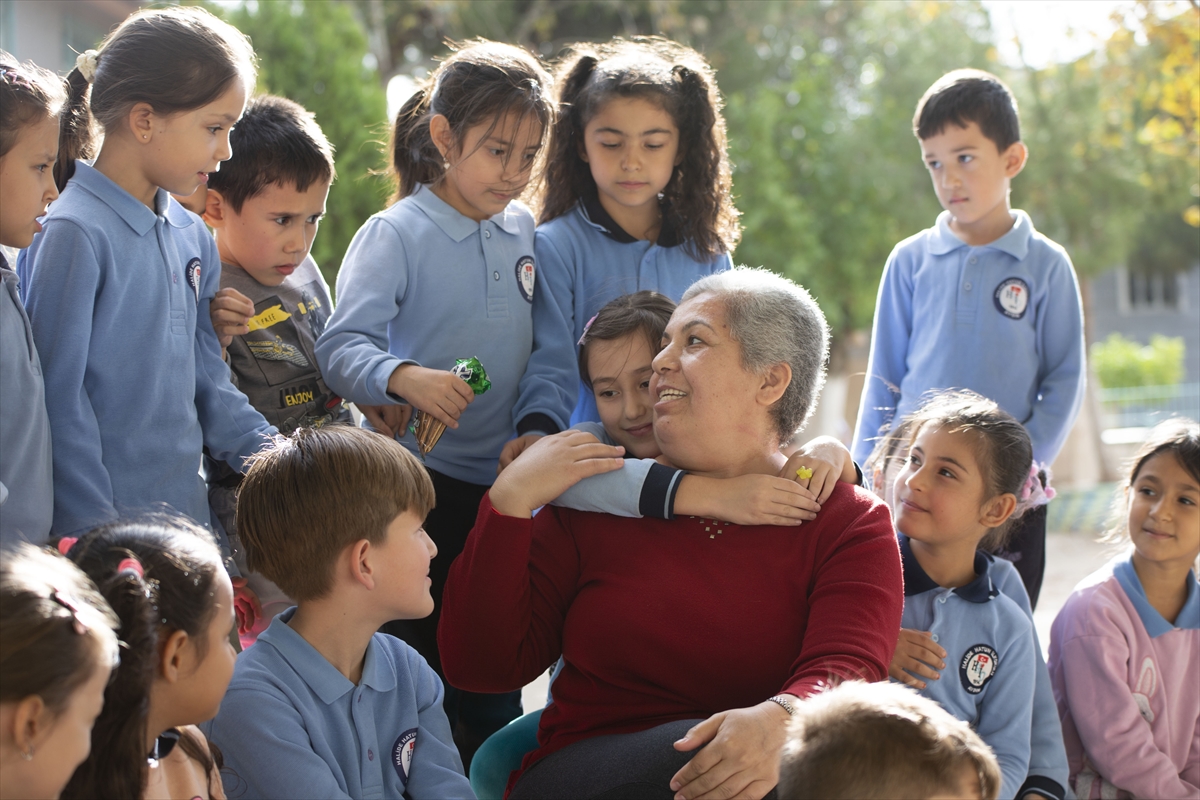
[(1035, 493), (132, 565)]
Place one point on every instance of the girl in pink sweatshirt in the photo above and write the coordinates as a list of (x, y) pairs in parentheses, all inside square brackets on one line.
[(1125, 649)]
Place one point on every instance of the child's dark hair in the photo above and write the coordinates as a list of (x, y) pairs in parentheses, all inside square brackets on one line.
[(319, 490), (697, 201), (28, 94), (969, 95), (55, 628), (479, 83), (1179, 436), (157, 573), (642, 312), (175, 59), (1002, 446), (860, 741), (275, 142)]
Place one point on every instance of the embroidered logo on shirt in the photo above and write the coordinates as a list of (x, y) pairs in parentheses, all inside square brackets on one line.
[(268, 317), (402, 753), (192, 273), (1012, 297), (278, 350), (525, 277), (978, 667)]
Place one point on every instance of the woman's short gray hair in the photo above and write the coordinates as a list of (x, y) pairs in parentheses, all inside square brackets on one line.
[(776, 321)]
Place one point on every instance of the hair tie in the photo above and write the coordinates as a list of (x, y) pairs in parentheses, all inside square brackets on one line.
[(66, 543), (131, 565), (86, 63), (586, 328), (1037, 490)]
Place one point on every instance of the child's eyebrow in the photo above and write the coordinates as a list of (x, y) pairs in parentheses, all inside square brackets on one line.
[(950, 460)]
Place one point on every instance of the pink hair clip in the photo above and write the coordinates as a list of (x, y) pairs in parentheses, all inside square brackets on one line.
[(66, 543), (132, 565), (586, 328)]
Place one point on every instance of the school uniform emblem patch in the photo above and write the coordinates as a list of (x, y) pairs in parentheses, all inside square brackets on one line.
[(978, 666), (1012, 297), (402, 753), (192, 273), (525, 277)]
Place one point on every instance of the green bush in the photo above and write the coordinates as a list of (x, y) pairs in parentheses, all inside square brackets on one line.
[(1121, 362)]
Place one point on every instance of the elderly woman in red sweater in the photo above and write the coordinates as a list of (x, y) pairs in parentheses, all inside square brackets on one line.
[(687, 643)]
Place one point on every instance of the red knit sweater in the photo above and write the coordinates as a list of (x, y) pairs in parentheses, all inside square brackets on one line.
[(661, 620)]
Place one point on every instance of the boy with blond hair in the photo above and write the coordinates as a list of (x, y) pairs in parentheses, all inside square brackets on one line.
[(862, 741), (323, 705)]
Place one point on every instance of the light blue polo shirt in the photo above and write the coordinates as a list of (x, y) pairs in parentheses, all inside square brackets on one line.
[(1152, 620), (585, 260), (291, 725), (423, 284), (1003, 319), (991, 668), (118, 296)]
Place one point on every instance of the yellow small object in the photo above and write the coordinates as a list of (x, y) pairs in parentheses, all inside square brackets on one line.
[(804, 473)]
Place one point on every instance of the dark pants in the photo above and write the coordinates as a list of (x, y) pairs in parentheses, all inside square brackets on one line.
[(473, 717), (1026, 549), (627, 765)]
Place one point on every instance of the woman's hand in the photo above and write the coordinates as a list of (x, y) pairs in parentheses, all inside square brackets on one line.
[(230, 311), (828, 460), (388, 420), (549, 467), (746, 500), (916, 652), (437, 392), (740, 756)]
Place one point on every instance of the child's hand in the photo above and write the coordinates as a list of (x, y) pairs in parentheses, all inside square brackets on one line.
[(549, 467), (438, 392), (514, 448), (746, 500), (245, 606), (231, 312), (829, 461), (916, 652), (390, 420)]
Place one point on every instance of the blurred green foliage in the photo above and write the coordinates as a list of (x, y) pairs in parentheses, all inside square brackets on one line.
[(1121, 362)]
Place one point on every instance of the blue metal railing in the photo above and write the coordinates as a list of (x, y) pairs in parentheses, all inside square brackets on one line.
[(1145, 406)]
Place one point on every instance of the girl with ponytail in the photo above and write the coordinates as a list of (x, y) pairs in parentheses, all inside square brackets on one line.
[(162, 576), (638, 196), (119, 281), (447, 273)]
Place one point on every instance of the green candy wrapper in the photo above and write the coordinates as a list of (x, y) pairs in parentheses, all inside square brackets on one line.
[(425, 427)]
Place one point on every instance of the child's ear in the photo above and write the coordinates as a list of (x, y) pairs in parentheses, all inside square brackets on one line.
[(141, 122), (214, 209), (30, 719), (172, 656), (361, 566), (1014, 159), (582, 150), (442, 135), (775, 381), (997, 510)]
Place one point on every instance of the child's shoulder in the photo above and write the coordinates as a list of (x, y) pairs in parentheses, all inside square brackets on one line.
[(1098, 605), (1040, 249)]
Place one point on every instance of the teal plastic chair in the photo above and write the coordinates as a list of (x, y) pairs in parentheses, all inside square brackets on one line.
[(501, 753)]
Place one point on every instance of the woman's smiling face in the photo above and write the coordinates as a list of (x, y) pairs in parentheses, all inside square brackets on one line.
[(706, 404)]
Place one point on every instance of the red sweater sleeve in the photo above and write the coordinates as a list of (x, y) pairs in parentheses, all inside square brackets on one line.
[(855, 605), (502, 622)]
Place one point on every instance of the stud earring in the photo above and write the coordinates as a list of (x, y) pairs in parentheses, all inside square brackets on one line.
[(28, 754), (145, 136)]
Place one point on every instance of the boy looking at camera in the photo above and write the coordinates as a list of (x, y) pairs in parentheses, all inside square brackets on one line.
[(264, 206), (323, 705), (981, 300)]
